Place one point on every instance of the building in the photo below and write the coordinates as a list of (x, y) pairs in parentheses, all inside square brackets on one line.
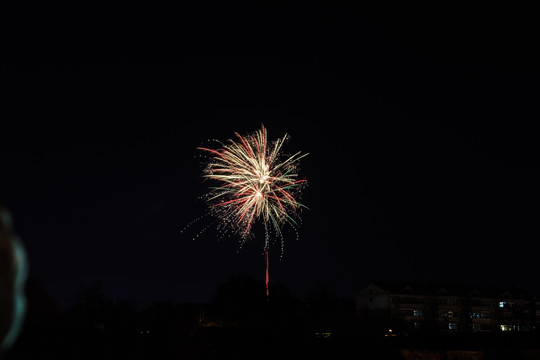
[(406, 307)]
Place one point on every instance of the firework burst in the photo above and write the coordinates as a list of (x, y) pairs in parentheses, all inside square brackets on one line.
[(254, 181)]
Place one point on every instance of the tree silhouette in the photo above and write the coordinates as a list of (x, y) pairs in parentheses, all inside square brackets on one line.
[(240, 301)]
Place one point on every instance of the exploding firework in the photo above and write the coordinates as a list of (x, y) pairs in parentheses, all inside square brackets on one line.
[(254, 181)]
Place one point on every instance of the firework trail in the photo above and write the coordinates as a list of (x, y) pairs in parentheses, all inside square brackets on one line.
[(254, 181)]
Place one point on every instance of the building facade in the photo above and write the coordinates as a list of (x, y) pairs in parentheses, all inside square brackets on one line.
[(413, 307)]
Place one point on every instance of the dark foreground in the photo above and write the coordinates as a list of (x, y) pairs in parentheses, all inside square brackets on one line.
[(264, 343), (240, 324)]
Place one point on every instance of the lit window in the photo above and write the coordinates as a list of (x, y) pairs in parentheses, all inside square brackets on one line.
[(479, 315), (452, 326), (506, 304), (417, 312), (447, 314)]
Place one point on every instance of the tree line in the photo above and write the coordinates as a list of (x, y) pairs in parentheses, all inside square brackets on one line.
[(240, 319)]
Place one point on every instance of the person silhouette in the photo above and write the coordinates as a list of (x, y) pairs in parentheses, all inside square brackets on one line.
[(13, 273)]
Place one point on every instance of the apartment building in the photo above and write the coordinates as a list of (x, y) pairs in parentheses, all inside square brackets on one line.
[(446, 308)]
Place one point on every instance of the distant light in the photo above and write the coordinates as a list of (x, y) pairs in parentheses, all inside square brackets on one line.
[(323, 334)]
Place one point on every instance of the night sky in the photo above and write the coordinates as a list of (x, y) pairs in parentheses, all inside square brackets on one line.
[(418, 123)]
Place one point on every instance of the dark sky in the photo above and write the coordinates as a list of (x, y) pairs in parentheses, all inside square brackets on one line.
[(418, 123)]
